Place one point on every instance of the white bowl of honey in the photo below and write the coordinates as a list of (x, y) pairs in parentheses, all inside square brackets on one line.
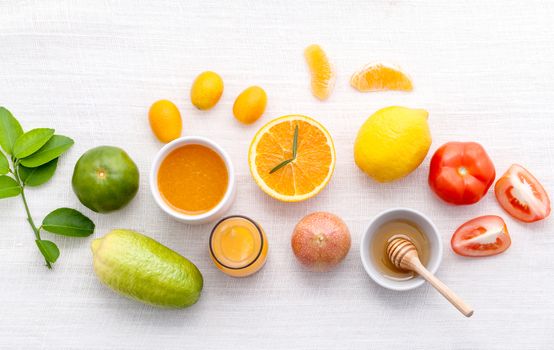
[(394, 223), (192, 179)]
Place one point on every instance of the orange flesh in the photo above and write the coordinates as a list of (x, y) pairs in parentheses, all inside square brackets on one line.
[(193, 179), (238, 248), (380, 77), (321, 70), (310, 167)]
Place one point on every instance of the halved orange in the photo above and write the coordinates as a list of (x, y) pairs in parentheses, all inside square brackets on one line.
[(379, 77), (322, 71), (303, 177)]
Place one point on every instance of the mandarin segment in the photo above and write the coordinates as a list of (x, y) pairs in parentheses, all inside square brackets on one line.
[(380, 77), (321, 70)]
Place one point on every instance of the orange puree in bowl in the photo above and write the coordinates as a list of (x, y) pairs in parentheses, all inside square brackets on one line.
[(193, 179)]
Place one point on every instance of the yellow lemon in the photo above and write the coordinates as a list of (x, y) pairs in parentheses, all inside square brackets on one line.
[(392, 143)]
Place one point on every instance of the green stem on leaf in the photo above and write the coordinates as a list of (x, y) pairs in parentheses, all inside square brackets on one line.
[(36, 229), (29, 217)]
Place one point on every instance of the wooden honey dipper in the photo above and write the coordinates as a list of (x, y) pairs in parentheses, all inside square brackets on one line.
[(403, 254)]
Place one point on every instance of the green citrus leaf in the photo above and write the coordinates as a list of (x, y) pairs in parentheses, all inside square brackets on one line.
[(48, 249), (4, 165), (8, 187), (31, 141), (10, 130), (68, 222), (39, 175), (54, 148)]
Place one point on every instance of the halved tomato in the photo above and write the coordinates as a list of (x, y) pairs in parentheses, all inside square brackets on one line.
[(521, 195), (483, 236)]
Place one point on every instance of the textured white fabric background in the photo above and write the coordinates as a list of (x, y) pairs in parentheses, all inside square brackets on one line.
[(483, 69)]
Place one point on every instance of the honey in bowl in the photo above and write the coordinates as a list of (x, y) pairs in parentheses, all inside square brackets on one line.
[(397, 229), (193, 179), (238, 246)]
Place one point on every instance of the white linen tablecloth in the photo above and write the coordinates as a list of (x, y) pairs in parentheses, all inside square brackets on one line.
[(91, 69)]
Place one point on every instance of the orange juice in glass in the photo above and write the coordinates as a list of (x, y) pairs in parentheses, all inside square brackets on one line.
[(238, 246)]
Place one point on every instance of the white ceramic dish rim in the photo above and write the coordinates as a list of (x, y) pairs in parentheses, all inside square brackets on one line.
[(431, 232), (190, 140)]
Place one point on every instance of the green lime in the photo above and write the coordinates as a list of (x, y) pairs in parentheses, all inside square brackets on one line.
[(105, 179)]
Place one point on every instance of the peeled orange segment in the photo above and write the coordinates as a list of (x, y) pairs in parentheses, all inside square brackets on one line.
[(323, 74), (379, 77), (305, 176)]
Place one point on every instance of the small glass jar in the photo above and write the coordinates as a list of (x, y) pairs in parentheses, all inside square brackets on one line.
[(238, 246)]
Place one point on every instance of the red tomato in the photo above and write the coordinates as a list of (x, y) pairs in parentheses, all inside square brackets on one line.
[(461, 172), (521, 195), (483, 236)]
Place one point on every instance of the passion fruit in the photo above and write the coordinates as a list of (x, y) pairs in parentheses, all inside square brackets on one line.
[(105, 179), (320, 241)]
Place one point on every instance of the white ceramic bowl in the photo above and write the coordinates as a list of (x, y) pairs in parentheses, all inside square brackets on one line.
[(424, 224), (220, 208)]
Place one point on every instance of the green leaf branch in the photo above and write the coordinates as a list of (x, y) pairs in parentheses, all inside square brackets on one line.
[(31, 159)]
